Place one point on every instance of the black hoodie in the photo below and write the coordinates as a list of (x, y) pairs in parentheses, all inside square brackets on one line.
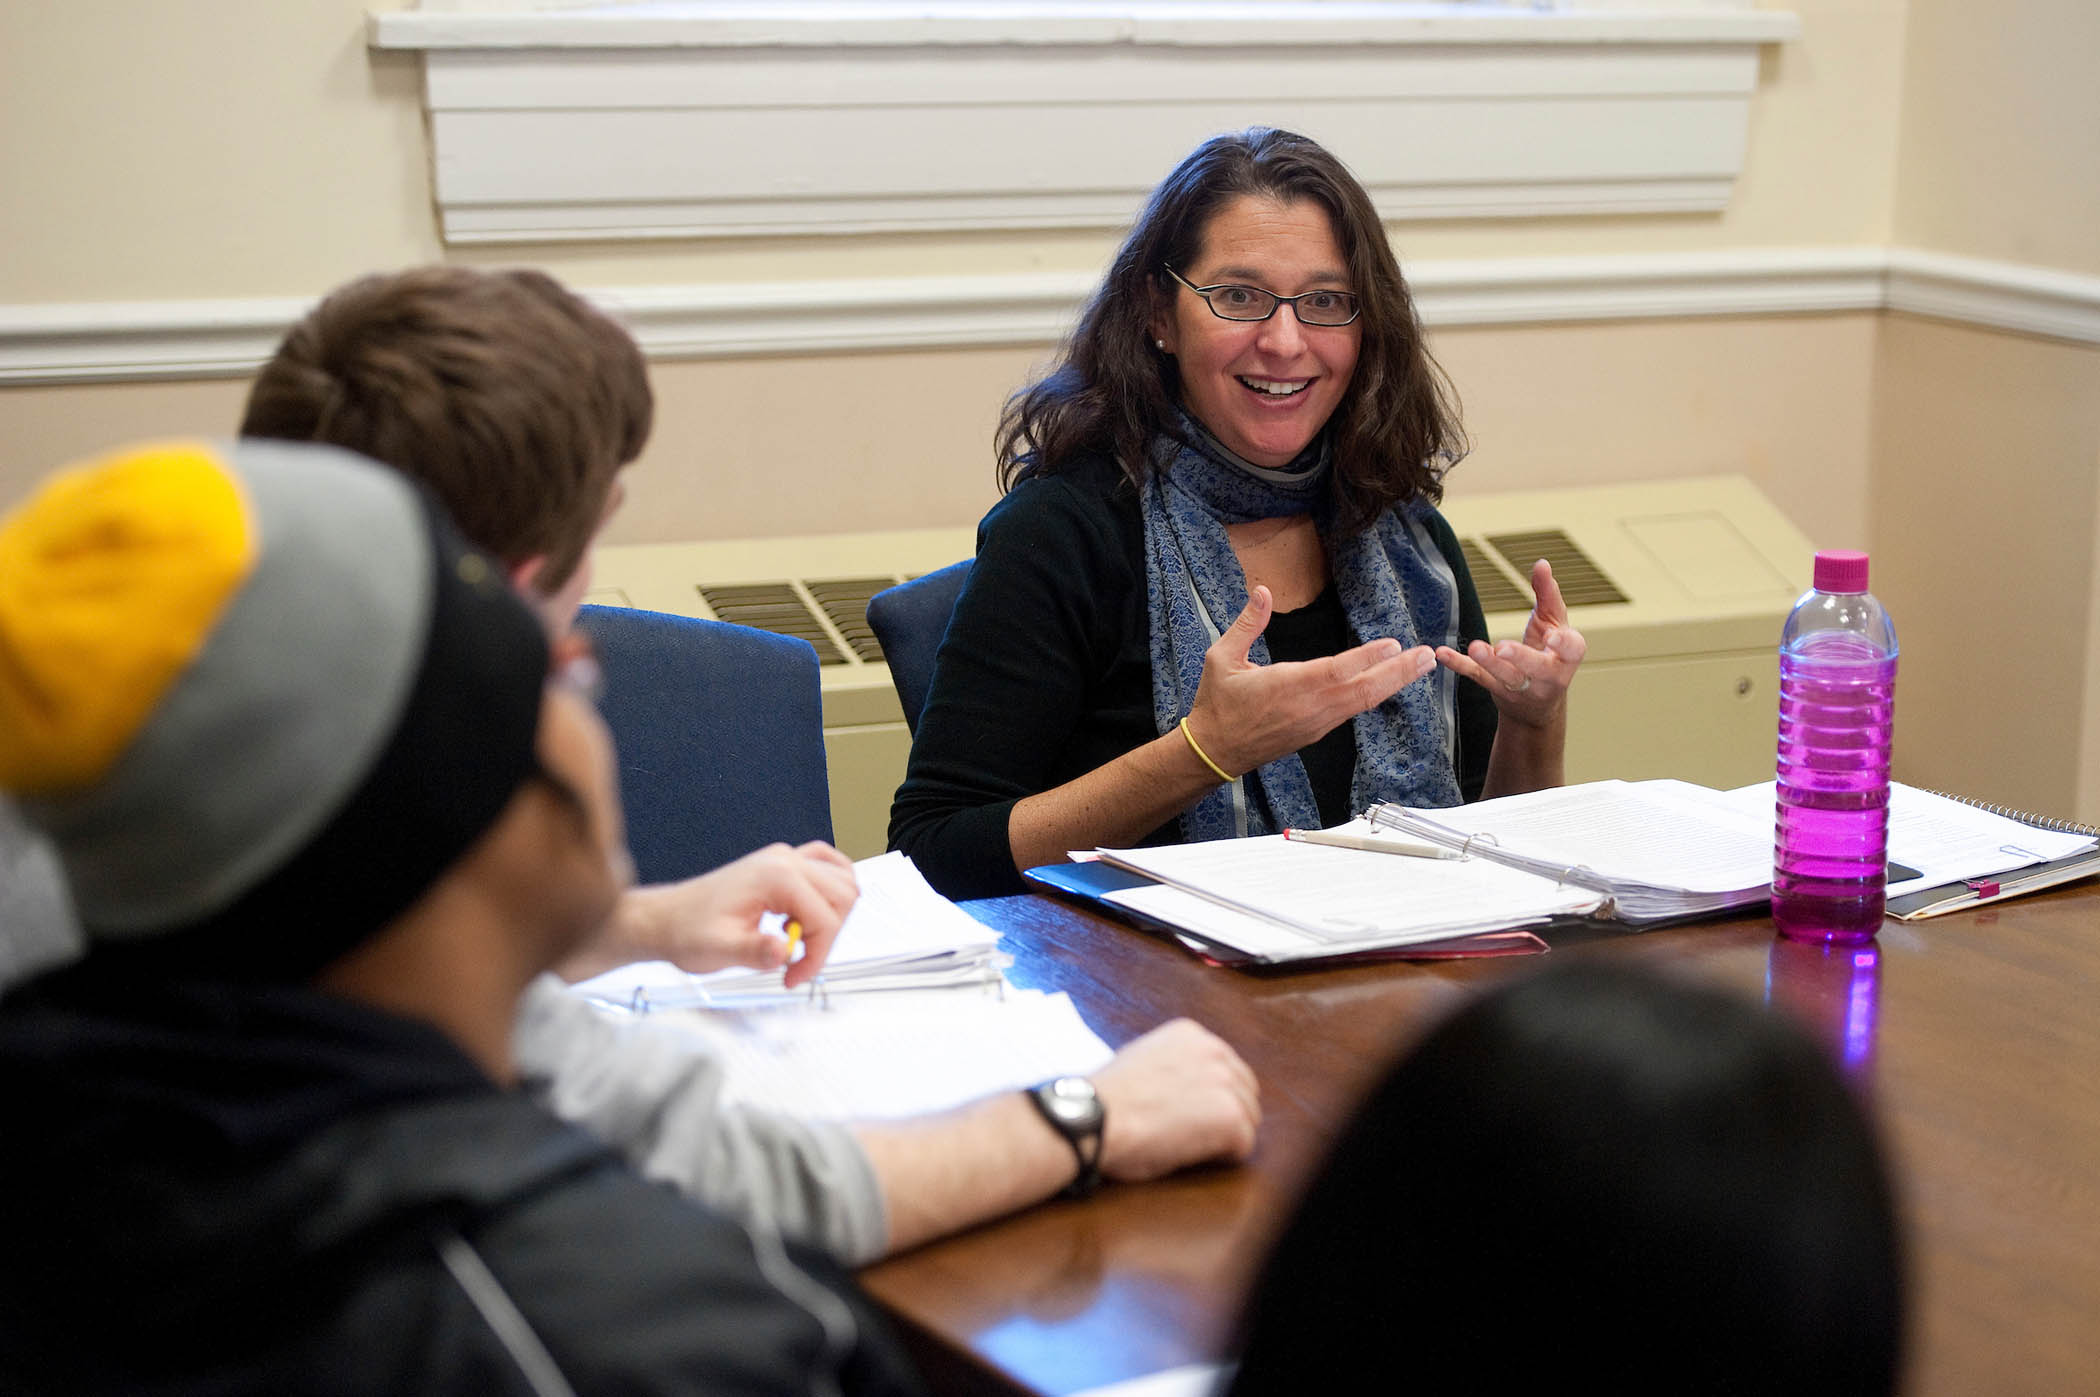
[(239, 1188)]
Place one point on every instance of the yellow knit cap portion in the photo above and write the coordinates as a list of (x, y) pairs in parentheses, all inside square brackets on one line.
[(111, 579)]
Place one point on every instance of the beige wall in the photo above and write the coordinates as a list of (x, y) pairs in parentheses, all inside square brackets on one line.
[(2000, 149), (1985, 490), (250, 148), (758, 448), (1784, 400), (257, 148), (1985, 475), (41, 428), (253, 148), (225, 148)]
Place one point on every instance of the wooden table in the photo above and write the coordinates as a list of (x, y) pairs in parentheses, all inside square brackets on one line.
[(1977, 1035)]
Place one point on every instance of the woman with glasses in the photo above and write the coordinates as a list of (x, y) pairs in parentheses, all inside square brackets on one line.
[(1217, 599)]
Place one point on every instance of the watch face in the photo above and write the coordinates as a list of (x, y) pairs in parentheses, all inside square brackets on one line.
[(1073, 1102)]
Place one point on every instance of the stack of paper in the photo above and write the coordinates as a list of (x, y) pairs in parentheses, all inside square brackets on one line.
[(881, 1059), (1280, 900), (843, 1054), (900, 935), (1633, 852)]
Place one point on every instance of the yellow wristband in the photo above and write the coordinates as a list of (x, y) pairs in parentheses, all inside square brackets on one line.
[(1201, 755)]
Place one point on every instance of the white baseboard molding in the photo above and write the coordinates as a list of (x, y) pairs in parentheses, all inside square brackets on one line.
[(111, 342)]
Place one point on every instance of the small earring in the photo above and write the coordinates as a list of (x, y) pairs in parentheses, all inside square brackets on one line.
[(1162, 345)]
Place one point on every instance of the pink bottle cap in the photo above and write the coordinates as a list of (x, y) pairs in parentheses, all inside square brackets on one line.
[(1841, 571)]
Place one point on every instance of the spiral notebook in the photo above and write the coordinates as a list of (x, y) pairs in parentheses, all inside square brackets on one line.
[(2057, 852), (1961, 852)]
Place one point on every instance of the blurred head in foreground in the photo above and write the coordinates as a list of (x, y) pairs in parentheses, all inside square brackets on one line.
[(1593, 1174), (263, 701)]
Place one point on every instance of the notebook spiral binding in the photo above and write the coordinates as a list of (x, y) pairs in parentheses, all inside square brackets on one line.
[(2042, 822)]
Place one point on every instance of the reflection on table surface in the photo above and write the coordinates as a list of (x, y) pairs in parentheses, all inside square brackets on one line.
[(1977, 1036)]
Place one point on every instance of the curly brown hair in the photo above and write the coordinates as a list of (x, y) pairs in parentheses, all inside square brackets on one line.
[(1394, 432), (515, 400)]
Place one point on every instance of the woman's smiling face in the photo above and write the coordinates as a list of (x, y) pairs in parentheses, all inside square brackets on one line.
[(1264, 388)]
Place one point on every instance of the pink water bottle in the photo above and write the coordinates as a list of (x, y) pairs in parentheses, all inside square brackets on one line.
[(1837, 692)]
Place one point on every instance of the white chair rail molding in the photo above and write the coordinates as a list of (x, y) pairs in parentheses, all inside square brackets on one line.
[(655, 120), (112, 342)]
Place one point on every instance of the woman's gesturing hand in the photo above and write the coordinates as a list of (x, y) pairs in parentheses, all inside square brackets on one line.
[(1529, 678), (1247, 714)]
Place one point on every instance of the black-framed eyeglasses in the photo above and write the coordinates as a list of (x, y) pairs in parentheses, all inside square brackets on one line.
[(1227, 301)]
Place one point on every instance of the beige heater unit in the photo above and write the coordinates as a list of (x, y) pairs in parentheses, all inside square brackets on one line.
[(1679, 586)]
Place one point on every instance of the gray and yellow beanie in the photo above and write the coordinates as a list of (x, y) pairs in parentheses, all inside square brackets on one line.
[(258, 695)]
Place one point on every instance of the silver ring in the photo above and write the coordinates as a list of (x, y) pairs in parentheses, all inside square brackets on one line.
[(1519, 688)]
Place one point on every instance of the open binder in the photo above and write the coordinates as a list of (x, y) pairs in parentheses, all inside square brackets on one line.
[(1607, 854)]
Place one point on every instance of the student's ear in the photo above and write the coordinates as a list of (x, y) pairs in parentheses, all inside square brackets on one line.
[(525, 576), (556, 609)]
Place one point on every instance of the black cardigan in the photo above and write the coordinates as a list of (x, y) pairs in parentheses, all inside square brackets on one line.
[(1046, 674)]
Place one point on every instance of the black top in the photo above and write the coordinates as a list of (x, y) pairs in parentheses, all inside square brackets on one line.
[(1317, 629), (1046, 674), (253, 1188)]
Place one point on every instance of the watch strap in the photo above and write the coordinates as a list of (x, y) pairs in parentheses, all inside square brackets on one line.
[(1086, 1144)]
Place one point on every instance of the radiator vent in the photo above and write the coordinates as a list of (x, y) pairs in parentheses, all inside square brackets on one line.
[(1582, 582), (776, 607), (845, 602), (1497, 592)]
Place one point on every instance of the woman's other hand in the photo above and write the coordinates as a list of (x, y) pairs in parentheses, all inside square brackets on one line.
[(1528, 678), (1246, 715)]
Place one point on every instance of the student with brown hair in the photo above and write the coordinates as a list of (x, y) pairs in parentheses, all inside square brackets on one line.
[(519, 403), (516, 401)]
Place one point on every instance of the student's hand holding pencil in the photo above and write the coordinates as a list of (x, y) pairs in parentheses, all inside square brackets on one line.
[(718, 919)]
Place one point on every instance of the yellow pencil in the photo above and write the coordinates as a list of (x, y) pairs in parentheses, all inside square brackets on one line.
[(794, 939)]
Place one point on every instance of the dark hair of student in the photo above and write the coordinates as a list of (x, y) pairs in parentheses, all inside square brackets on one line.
[(1112, 391), (514, 399), (1593, 1177)]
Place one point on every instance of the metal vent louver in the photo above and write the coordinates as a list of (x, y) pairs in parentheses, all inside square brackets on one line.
[(1497, 592), (1581, 581), (845, 602), (776, 607)]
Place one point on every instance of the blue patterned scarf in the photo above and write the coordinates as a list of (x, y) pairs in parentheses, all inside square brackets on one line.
[(1392, 580)]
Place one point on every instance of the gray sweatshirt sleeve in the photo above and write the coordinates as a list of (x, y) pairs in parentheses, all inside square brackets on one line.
[(655, 1094)]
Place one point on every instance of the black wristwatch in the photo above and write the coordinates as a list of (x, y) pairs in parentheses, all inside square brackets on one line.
[(1075, 1112)]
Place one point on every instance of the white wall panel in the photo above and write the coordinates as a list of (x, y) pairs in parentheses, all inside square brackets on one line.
[(609, 125)]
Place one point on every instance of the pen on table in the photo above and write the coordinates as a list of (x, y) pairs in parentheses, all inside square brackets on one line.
[(1376, 846)]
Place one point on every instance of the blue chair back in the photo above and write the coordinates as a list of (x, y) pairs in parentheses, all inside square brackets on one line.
[(720, 731), (909, 620)]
